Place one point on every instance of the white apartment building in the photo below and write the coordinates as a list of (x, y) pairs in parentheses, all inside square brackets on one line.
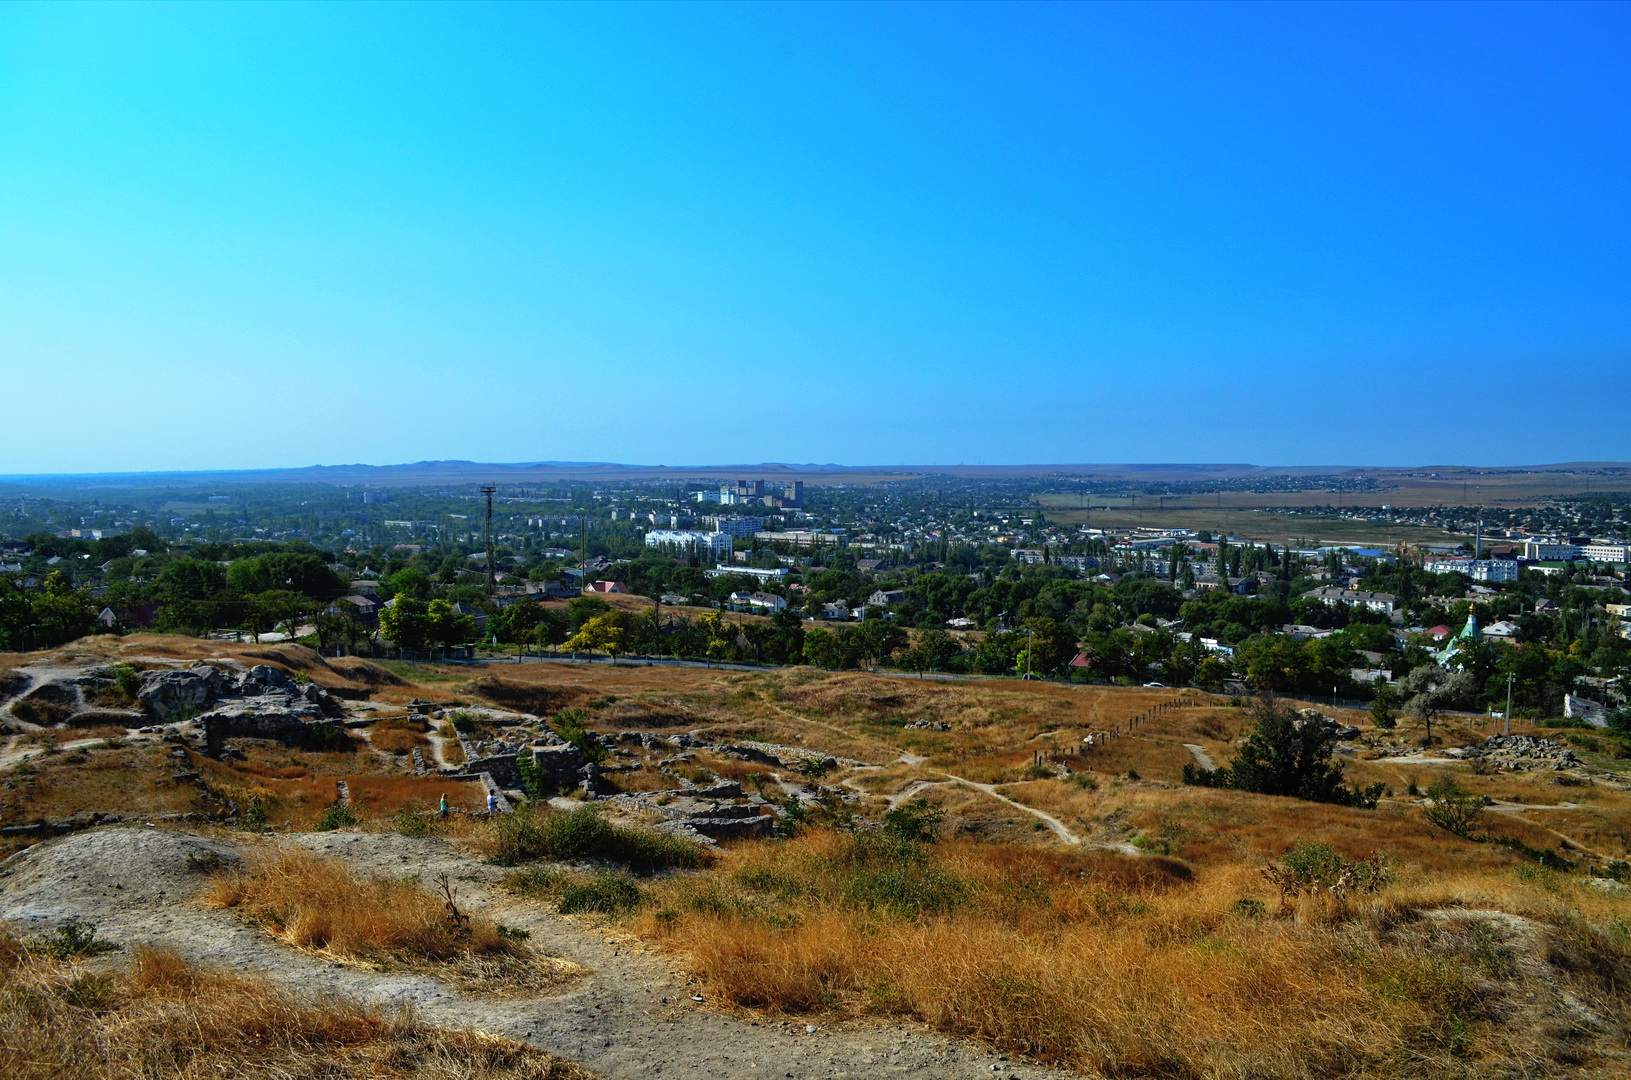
[(736, 527), (1477, 569), (686, 542), (1553, 551)]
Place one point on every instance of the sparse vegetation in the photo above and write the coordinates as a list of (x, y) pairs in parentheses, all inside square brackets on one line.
[(162, 1016), (1452, 807), (317, 902), (532, 833)]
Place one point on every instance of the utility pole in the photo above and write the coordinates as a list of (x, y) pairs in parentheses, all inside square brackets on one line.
[(1508, 716), (492, 581)]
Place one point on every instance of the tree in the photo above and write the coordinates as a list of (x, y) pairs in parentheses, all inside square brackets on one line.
[(1452, 807), (1051, 645), (337, 631), (823, 649), (448, 628), (1431, 690), (60, 613), (405, 621), (286, 570), (276, 607), (1381, 708), (15, 618), (1286, 754), (934, 651), (409, 581), (878, 640), (605, 633), (192, 594)]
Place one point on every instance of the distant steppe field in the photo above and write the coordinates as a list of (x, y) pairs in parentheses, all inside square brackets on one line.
[(1251, 524)]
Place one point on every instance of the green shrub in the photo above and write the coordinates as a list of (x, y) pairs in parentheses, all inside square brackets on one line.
[(917, 820), (88, 991), (569, 724), (884, 871), (127, 680), (1249, 908), (606, 892), (531, 833), (73, 938), (336, 816), (415, 822), (1313, 869), (814, 768), (1452, 807), (255, 813)]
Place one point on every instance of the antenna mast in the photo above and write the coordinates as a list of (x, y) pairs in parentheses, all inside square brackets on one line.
[(491, 579)]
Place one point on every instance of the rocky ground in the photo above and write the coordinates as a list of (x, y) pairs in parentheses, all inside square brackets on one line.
[(632, 1015)]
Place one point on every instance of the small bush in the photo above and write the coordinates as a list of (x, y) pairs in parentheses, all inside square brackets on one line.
[(1314, 869), (336, 816), (814, 768), (569, 725), (917, 820), (1246, 907), (127, 680), (73, 938), (1452, 807), (885, 871), (531, 833), (606, 892), (415, 822)]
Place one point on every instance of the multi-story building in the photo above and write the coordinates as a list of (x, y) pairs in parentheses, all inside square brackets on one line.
[(806, 537), (761, 573), (735, 526), (1557, 551), (1385, 603), (1477, 569), (687, 542)]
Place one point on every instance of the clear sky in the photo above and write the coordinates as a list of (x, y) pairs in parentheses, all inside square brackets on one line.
[(248, 236)]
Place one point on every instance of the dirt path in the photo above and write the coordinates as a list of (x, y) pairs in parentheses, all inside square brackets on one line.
[(632, 1016), (1049, 820), (914, 788), (1202, 758), (17, 757)]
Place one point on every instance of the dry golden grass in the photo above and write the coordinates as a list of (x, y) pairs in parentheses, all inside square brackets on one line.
[(163, 1017), (386, 796), (399, 735), (317, 903), (1128, 967)]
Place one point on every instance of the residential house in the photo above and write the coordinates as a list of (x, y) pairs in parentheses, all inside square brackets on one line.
[(605, 587), (886, 597), (768, 603)]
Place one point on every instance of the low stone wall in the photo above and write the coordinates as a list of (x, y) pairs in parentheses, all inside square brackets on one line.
[(243, 724)]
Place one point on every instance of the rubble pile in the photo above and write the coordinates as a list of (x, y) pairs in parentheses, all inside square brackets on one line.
[(1519, 753)]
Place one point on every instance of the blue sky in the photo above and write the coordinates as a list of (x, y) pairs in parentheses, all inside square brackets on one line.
[(249, 236)]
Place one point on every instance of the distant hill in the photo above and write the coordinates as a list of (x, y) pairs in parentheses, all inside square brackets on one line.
[(427, 473)]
